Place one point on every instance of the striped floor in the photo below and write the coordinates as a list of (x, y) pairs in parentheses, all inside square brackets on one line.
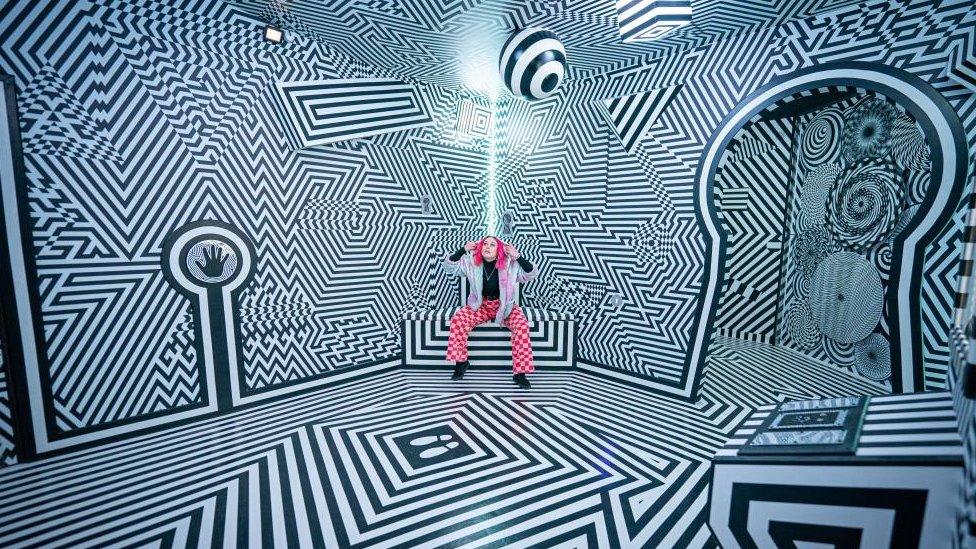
[(403, 458)]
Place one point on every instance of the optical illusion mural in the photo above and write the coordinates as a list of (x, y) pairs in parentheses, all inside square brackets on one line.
[(750, 193), (633, 246), (138, 118), (862, 169), (180, 82), (651, 334)]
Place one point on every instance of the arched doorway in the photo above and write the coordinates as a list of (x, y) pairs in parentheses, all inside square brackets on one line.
[(944, 134)]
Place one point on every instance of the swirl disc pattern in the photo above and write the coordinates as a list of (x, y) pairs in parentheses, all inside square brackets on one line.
[(867, 130), (908, 145), (813, 197), (841, 354), (846, 297), (862, 206), (800, 326), (917, 184), (809, 249), (821, 138), (872, 357)]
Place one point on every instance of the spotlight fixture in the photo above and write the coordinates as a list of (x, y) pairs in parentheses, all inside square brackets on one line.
[(273, 34)]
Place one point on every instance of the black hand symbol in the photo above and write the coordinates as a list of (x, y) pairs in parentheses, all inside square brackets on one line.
[(213, 261)]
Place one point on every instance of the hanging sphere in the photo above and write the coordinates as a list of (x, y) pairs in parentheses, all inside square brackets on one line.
[(533, 63)]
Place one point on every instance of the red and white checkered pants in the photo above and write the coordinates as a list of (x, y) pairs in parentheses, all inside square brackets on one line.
[(466, 318)]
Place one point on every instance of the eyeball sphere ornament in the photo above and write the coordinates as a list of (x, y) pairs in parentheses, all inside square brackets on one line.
[(532, 63)]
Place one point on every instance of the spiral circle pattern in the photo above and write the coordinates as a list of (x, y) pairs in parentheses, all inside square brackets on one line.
[(813, 196), (862, 206), (880, 256), (841, 354), (867, 130), (532, 63), (800, 326), (916, 185), (872, 357), (846, 297), (820, 142)]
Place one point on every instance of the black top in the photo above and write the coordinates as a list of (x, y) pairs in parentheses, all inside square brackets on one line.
[(489, 286)]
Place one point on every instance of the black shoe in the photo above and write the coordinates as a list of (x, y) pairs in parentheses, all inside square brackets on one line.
[(459, 369), (521, 381)]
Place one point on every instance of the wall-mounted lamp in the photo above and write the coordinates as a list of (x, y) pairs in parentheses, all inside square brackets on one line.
[(274, 34)]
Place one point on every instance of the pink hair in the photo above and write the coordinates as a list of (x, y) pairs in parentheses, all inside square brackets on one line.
[(499, 261)]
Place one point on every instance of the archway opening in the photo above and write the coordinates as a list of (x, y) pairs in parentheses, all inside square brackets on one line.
[(872, 89), (812, 194)]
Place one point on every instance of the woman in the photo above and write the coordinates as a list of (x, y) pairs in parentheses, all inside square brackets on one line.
[(494, 271)]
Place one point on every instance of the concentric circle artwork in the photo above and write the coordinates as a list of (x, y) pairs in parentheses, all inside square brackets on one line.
[(916, 185), (880, 256), (863, 204), (532, 63), (211, 261), (800, 326), (809, 249), (908, 145), (813, 197), (846, 297), (872, 357), (820, 142), (867, 130), (904, 218), (797, 287), (838, 353)]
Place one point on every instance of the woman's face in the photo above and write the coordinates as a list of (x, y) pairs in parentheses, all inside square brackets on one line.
[(489, 250)]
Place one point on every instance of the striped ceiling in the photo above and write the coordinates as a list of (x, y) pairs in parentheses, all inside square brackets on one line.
[(445, 41)]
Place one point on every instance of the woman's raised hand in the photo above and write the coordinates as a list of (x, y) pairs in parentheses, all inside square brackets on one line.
[(470, 245), (510, 251)]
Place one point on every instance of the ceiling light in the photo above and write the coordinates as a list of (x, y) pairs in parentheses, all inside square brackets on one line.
[(273, 34)]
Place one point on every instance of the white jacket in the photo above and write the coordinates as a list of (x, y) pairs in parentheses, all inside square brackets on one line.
[(507, 293)]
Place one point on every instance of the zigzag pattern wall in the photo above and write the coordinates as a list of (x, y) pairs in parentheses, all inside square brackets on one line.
[(138, 117), (424, 39), (588, 229), (750, 187)]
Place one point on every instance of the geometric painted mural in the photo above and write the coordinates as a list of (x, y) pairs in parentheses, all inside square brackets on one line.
[(750, 193), (327, 111), (7, 455), (400, 459), (617, 232), (565, 136), (826, 219), (146, 123)]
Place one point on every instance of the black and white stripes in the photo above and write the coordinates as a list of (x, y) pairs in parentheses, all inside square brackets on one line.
[(532, 63), (917, 426), (327, 111), (651, 19)]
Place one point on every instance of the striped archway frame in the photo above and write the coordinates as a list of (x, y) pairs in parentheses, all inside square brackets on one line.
[(947, 141)]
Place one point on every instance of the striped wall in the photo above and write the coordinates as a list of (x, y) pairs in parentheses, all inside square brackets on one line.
[(7, 447), (751, 196), (138, 117), (641, 235)]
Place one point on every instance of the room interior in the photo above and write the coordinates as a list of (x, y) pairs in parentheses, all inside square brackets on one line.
[(241, 236)]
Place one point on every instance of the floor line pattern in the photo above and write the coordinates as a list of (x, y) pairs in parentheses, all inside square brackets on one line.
[(403, 458)]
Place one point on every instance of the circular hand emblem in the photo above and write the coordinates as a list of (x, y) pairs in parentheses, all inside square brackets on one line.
[(211, 261)]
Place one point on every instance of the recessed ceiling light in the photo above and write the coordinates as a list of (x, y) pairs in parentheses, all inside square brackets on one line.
[(274, 34)]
